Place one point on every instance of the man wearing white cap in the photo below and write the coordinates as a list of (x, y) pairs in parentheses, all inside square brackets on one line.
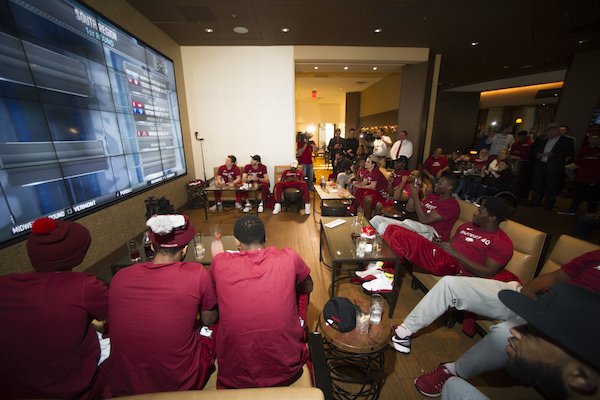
[(291, 178), (156, 345)]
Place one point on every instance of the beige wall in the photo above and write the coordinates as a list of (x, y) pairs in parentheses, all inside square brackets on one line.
[(381, 96), (241, 101), (112, 226)]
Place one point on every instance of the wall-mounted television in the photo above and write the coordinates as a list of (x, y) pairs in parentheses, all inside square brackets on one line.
[(88, 114)]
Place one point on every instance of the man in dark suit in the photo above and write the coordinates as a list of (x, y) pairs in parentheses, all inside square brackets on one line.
[(551, 154)]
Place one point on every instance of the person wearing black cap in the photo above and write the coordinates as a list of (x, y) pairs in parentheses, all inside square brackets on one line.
[(262, 294), (557, 351), (48, 348), (256, 172), (154, 308)]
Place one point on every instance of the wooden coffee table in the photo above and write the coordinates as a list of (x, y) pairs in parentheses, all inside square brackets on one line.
[(342, 248), (356, 361)]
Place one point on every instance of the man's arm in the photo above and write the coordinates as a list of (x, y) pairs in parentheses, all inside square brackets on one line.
[(544, 282), (422, 216), (486, 270), (306, 286), (386, 139), (209, 317)]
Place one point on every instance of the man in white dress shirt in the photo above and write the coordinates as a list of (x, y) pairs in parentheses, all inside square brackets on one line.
[(402, 146)]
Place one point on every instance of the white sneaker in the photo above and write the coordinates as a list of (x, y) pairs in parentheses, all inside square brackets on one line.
[(383, 284), (261, 208), (216, 207), (247, 208), (238, 206), (372, 269), (206, 331), (277, 208), (307, 208)]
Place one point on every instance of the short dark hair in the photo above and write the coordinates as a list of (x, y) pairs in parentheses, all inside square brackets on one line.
[(497, 207), (170, 251), (249, 229), (232, 158), (452, 180)]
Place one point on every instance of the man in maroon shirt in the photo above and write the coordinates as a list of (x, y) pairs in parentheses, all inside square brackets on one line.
[(154, 308), (435, 166), (291, 178), (262, 295), (48, 348), (228, 175), (587, 178), (372, 190), (436, 214), (304, 153), (256, 172)]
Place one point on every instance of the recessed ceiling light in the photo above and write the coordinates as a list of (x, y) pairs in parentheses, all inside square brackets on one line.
[(208, 30), (582, 41), (474, 43), (506, 66), (346, 68), (316, 67), (374, 68), (526, 66), (241, 30), (378, 30), (285, 30), (555, 95)]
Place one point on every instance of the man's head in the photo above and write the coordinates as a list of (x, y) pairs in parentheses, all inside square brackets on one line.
[(338, 155), (483, 154), (370, 163), (351, 133), (170, 234), (255, 160), (557, 351), (446, 185), (503, 154), (401, 163), (563, 129), (249, 230), (55, 245), (503, 164), (230, 160), (402, 135), (437, 152), (492, 211), (379, 132), (552, 131), (294, 164), (522, 136), (593, 135), (337, 133)]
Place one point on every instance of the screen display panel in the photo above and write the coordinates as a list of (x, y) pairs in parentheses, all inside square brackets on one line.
[(88, 114)]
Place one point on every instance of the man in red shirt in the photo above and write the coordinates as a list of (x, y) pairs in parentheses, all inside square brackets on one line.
[(304, 153), (262, 295), (587, 178), (256, 172), (154, 308), (291, 178), (372, 190), (48, 348), (435, 166), (228, 175)]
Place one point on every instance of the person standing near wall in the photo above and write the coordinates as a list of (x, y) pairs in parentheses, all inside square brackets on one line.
[(304, 154)]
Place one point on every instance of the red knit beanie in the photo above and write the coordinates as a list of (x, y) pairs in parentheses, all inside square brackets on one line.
[(55, 245)]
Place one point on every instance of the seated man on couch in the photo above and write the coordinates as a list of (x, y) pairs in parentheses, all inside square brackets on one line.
[(479, 248), (291, 178), (256, 172), (262, 295)]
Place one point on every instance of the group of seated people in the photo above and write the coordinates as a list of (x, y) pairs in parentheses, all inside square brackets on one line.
[(165, 320), (255, 173)]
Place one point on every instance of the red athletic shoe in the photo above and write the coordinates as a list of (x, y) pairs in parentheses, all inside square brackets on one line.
[(431, 383)]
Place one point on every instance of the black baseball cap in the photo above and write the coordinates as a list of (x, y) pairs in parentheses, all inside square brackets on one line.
[(566, 313), (340, 314), (255, 157)]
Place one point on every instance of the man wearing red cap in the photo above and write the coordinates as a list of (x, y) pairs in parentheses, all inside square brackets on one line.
[(263, 297), (48, 348), (156, 345)]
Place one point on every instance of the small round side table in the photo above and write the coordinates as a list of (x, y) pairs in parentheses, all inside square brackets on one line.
[(356, 361)]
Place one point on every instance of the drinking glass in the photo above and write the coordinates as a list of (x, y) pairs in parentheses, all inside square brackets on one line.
[(216, 231), (199, 248), (376, 308), (360, 214), (362, 321), (134, 251), (377, 243), (361, 246)]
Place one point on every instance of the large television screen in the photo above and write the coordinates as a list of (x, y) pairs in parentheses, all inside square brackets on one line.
[(88, 114)]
